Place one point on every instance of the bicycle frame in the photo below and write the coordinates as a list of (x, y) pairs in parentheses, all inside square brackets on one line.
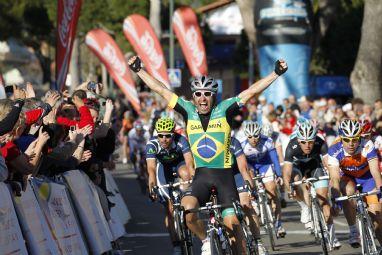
[(363, 219), (320, 229)]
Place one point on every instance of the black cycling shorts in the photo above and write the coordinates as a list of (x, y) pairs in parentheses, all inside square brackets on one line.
[(206, 178)]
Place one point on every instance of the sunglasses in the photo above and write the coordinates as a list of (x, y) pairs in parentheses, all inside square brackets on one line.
[(253, 136), (165, 135), (348, 140), (306, 142), (204, 93)]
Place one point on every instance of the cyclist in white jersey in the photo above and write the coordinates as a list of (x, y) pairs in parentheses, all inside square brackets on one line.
[(262, 158)]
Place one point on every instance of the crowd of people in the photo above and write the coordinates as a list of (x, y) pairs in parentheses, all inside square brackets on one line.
[(300, 138), (44, 137)]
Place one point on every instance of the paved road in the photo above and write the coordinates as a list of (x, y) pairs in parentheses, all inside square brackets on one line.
[(146, 233)]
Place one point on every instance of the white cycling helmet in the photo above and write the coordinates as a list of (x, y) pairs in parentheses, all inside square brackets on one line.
[(252, 128), (349, 128), (204, 83), (306, 131), (267, 130)]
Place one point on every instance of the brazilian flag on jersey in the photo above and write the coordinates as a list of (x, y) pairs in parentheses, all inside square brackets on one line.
[(210, 148)]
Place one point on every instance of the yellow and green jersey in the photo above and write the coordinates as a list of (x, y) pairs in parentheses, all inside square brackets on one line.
[(210, 143)]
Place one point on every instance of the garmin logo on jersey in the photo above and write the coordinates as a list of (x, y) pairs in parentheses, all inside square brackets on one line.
[(227, 149), (216, 125), (193, 127)]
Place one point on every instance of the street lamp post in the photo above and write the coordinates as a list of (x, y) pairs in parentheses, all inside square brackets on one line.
[(171, 51)]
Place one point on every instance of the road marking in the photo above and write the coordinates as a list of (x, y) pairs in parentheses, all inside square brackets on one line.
[(340, 223), (305, 232), (147, 235)]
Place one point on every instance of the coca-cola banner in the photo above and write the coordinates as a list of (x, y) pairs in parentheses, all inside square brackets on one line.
[(111, 56), (187, 31), (142, 37), (68, 12)]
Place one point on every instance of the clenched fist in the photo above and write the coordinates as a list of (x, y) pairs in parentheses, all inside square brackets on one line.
[(135, 64), (280, 67)]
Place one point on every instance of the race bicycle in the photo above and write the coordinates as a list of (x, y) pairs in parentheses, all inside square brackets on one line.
[(264, 209), (183, 234), (216, 231), (363, 219), (320, 229)]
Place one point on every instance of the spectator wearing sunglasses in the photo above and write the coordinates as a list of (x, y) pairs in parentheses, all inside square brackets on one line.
[(305, 157)]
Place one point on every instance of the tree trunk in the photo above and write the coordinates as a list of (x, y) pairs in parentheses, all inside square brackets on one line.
[(155, 17), (366, 78), (247, 10)]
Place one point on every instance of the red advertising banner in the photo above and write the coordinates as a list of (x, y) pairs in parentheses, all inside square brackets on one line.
[(107, 50), (142, 37), (186, 28), (68, 12)]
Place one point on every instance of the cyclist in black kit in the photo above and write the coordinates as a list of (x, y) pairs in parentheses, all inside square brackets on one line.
[(305, 157)]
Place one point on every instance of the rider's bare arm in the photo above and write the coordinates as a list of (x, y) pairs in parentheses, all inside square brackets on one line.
[(374, 170), (287, 174), (243, 168), (151, 82), (151, 166), (189, 160), (264, 83), (334, 173)]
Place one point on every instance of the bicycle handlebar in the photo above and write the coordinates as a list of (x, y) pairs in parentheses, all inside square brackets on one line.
[(357, 195), (172, 185), (309, 180), (207, 208)]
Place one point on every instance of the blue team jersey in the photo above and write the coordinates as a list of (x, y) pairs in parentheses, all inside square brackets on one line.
[(260, 154), (173, 155), (355, 165)]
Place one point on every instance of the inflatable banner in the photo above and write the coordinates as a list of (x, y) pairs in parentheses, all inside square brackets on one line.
[(33, 223), (283, 31), (89, 211), (120, 209), (11, 238), (55, 204), (187, 31), (111, 56), (68, 12), (142, 37)]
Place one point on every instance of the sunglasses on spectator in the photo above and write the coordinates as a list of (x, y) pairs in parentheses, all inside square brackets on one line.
[(307, 142), (165, 135), (204, 93), (352, 139), (253, 136)]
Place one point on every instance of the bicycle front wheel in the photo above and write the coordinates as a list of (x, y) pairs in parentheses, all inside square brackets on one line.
[(269, 227), (216, 247), (368, 242), (321, 227)]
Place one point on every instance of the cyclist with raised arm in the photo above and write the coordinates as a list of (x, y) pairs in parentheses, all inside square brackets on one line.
[(303, 159), (208, 127), (353, 160), (167, 155), (262, 159), (240, 166)]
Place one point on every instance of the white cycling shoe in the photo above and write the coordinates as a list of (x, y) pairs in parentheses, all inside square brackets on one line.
[(261, 248), (206, 248), (305, 215)]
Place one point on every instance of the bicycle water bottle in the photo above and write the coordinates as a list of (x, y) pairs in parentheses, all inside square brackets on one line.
[(255, 206)]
